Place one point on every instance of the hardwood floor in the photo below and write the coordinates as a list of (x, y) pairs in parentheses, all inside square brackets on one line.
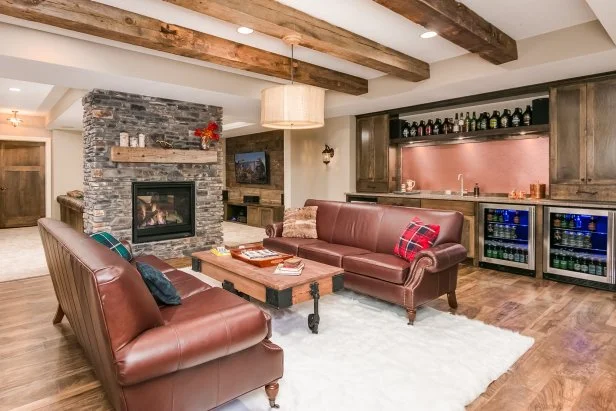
[(572, 365)]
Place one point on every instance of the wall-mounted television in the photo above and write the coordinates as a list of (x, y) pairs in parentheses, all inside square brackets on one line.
[(251, 168)]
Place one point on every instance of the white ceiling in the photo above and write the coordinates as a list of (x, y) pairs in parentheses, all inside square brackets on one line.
[(27, 101), (551, 37)]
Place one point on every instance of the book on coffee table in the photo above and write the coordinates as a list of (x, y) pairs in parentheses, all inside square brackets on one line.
[(282, 270)]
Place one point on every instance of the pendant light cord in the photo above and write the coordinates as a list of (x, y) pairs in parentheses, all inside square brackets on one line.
[(292, 60)]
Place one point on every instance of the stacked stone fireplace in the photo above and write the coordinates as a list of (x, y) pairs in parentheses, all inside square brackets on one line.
[(158, 219)]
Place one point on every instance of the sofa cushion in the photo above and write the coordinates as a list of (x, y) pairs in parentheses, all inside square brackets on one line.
[(288, 245), (160, 286), (300, 222), (416, 236), (326, 253), (381, 266)]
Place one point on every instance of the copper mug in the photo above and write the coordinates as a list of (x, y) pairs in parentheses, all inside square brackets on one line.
[(537, 190)]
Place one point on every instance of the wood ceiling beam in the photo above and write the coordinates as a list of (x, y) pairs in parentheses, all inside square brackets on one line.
[(89, 17), (278, 20), (460, 25)]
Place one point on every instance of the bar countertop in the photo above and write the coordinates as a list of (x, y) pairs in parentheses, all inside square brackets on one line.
[(489, 198)]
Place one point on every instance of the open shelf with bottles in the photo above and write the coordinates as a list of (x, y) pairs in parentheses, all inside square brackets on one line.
[(579, 244)]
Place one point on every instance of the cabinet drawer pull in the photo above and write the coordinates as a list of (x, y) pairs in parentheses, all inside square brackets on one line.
[(592, 193), (589, 180), (582, 179)]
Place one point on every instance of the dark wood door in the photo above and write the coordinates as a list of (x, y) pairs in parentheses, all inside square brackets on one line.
[(22, 183), (601, 133), (568, 134), (373, 154)]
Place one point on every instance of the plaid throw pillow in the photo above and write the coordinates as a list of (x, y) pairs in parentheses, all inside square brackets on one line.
[(113, 244), (416, 237), (159, 285)]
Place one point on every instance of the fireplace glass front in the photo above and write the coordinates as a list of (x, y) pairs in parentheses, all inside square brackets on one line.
[(163, 211)]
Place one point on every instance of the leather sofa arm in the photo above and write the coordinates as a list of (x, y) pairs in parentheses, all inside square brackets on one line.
[(274, 230), (443, 256), (176, 346)]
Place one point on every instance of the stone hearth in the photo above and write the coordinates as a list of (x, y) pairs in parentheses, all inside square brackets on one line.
[(108, 185)]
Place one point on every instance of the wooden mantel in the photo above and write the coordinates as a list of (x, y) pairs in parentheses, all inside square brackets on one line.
[(161, 155)]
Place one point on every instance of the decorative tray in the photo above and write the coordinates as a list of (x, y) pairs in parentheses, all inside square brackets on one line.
[(238, 253)]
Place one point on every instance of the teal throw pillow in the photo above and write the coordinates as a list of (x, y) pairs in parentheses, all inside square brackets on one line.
[(113, 244), (159, 285)]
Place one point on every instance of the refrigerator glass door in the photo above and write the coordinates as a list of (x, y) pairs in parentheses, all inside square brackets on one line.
[(578, 243), (507, 235)]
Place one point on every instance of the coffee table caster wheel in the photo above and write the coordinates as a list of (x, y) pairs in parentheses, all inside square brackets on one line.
[(313, 323), (273, 404)]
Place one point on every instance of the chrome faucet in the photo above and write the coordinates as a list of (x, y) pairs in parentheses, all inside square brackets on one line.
[(461, 180)]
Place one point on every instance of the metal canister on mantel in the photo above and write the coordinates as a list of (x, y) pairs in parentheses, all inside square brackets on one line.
[(537, 190)]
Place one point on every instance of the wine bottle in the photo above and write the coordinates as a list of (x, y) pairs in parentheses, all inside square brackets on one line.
[(473, 122), (421, 129), (527, 117), (437, 128), (494, 120), (467, 123), (461, 122), (456, 125), (445, 126), (429, 128), (483, 121)]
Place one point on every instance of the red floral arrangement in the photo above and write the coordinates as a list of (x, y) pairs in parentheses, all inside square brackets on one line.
[(208, 134)]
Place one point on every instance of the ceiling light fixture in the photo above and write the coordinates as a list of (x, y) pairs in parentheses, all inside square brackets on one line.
[(429, 34), (15, 121), (14, 89), (245, 30), (293, 106)]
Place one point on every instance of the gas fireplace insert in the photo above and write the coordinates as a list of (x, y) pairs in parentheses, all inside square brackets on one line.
[(163, 211)]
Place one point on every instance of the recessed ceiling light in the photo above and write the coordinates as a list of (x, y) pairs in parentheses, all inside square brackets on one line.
[(14, 89), (244, 30), (428, 34)]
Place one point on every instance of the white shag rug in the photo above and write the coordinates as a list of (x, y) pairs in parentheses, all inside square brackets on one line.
[(21, 254), (366, 357)]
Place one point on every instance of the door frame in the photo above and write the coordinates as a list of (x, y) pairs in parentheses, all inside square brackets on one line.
[(47, 141)]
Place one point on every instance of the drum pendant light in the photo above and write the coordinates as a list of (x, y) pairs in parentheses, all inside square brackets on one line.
[(293, 106)]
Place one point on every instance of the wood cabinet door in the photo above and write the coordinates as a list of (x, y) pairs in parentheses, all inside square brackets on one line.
[(267, 217), (253, 216), (22, 183), (568, 134), (468, 236), (373, 154), (601, 133)]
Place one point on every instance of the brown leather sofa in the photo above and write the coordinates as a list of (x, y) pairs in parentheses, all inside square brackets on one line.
[(360, 238), (203, 353)]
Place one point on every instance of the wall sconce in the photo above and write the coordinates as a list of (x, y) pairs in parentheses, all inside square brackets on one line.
[(327, 154), (15, 121)]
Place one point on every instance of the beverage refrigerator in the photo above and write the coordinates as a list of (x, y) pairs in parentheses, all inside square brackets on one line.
[(578, 245), (507, 237)]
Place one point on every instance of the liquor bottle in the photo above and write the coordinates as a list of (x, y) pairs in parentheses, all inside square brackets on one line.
[(467, 123), (421, 129), (517, 117), (527, 117), (516, 218), (461, 122), (494, 120), (414, 128), (445, 126), (406, 130), (456, 125), (474, 122), (429, 127), (437, 128), (592, 224), (476, 190), (451, 122), (505, 120)]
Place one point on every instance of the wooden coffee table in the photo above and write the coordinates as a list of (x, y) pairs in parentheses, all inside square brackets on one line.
[(262, 284)]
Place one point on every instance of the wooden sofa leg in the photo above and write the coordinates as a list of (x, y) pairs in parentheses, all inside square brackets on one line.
[(411, 313), (271, 390), (453, 301), (59, 315)]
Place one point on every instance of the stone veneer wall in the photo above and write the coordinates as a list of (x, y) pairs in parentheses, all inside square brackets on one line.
[(108, 185)]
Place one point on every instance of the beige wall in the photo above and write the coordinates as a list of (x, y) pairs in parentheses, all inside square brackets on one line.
[(66, 165), (31, 127), (305, 173)]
